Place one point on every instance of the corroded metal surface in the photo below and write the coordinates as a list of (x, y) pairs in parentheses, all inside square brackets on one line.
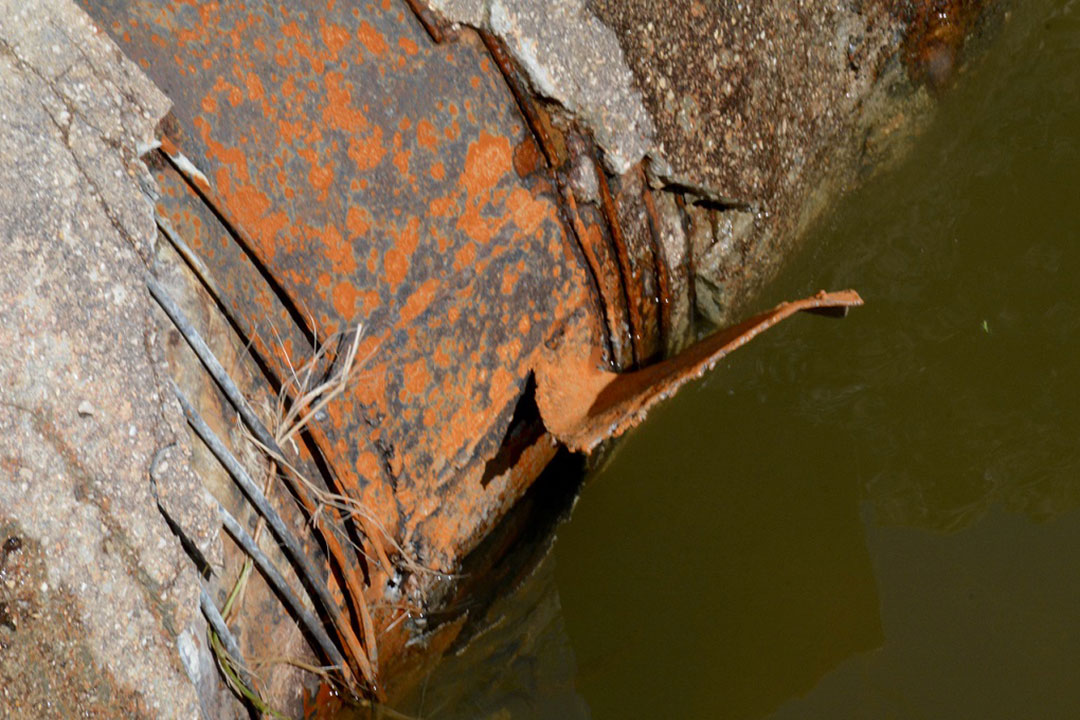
[(334, 166), (370, 174)]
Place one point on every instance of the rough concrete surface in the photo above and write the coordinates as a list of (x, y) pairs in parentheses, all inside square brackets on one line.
[(573, 59), (112, 599), (766, 110)]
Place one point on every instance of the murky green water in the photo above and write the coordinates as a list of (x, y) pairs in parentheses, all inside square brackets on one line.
[(878, 517), (870, 518)]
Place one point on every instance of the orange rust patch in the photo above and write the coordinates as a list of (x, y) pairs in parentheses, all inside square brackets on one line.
[(367, 152), (371, 38), (344, 297), (416, 377), (475, 226), (527, 212), (335, 37), (426, 136), (409, 239), (395, 267), (321, 176), (289, 131), (441, 207), (438, 171), (255, 89), (339, 112), (408, 46), (501, 380), (355, 223), (486, 162), (338, 251), (526, 157), (419, 301), (367, 465), (401, 161), (209, 104), (371, 301), (440, 358), (465, 257), (509, 280)]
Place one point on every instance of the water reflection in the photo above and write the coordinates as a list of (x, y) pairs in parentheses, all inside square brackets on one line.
[(754, 585)]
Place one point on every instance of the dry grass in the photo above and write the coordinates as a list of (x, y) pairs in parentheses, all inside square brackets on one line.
[(309, 387)]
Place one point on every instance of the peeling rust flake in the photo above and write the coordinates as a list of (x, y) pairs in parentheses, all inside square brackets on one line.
[(583, 405)]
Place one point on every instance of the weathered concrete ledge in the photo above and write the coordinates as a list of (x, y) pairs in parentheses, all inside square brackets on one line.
[(98, 602)]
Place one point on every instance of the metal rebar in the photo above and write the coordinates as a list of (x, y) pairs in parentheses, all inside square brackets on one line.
[(187, 253), (218, 624), (255, 495), (301, 563), (274, 576), (296, 555), (206, 356)]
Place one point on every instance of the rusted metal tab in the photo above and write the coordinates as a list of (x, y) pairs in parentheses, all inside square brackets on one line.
[(596, 245), (623, 208), (583, 405)]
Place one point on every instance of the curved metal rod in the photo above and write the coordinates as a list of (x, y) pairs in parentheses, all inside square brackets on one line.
[(292, 546), (366, 659), (206, 355), (274, 576), (218, 624)]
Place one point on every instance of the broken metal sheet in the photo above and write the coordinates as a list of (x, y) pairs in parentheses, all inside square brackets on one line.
[(584, 405)]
